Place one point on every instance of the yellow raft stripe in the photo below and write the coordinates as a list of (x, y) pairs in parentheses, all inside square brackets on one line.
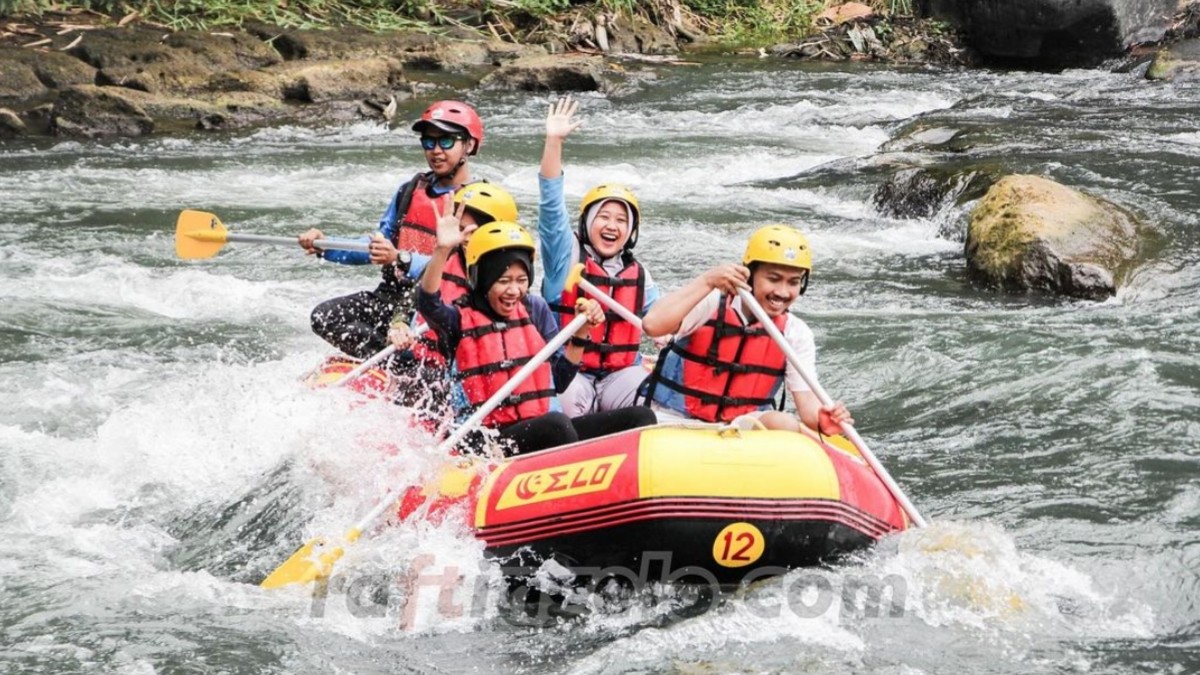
[(676, 462)]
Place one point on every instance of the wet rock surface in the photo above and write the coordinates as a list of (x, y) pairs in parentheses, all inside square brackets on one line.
[(1057, 33), (1030, 233)]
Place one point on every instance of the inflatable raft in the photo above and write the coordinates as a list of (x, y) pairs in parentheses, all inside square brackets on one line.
[(667, 502), (373, 382)]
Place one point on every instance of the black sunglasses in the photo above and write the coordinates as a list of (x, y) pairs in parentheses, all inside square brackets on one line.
[(444, 142)]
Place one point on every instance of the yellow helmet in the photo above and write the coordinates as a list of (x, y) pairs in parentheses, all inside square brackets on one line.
[(610, 191), (495, 236), (490, 200), (778, 244)]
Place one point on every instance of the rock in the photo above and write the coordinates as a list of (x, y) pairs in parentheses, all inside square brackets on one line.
[(1178, 62), (1030, 233), (53, 69), (500, 53), (637, 35), (37, 119), (452, 56), (88, 111), (11, 125), (267, 83), (224, 51), (325, 81), (1057, 33), (549, 73), (222, 110), (171, 77), (133, 47), (343, 43), (917, 192), (176, 63), (18, 81)]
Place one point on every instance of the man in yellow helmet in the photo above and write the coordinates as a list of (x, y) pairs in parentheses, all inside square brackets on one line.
[(610, 372), (721, 363)]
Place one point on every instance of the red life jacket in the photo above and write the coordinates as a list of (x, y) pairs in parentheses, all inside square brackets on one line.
[(729, 368), (490, 352), (454, 286), (613, 344), (417, 230)]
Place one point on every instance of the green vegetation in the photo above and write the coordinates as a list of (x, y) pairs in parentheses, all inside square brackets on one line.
[(729, 21), (755, 22), (203, 14)]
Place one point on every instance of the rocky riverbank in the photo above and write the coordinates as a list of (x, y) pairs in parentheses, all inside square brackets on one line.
[(81, 74)]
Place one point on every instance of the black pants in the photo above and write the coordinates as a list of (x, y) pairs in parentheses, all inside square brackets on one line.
[(358, 323), (423, 386), (555, 428)]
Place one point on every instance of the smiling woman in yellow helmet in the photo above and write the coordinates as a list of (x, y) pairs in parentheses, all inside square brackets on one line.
[(490, 332), (603, 240), (722, 363)]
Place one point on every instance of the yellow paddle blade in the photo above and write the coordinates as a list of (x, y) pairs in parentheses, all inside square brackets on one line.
[(307, 564), (198, 234), (313, 561)]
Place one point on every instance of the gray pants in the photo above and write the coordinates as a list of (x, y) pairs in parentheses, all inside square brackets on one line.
[(588, 394)]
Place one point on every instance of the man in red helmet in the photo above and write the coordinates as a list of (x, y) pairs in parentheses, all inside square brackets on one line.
[(450, 132)]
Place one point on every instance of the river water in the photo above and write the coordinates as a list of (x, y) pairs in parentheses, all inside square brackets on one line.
[(158, 455)]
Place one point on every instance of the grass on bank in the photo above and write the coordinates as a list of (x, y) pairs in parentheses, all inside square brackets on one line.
[(729, 21)]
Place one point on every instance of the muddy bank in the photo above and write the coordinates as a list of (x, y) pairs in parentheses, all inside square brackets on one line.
[(86, 75)]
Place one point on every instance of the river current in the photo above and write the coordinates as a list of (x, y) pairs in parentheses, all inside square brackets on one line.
[(158, 454)]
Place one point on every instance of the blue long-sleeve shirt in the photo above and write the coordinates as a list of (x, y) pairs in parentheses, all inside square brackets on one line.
[(560, 245), (388, 226), (447, 321)]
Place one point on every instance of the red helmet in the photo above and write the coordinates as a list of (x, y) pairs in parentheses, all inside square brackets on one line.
[(452, 117)]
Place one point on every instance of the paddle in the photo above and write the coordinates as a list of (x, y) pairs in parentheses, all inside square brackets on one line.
[(848, 430), (379, 356), (316, 558), (575, 277), (199, 234), (365, 365)]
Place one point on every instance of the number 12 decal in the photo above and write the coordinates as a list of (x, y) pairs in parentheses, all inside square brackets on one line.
[(738, 545)]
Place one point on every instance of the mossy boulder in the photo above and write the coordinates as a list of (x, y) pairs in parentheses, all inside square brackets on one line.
[(1177, 62), (1030, 233)]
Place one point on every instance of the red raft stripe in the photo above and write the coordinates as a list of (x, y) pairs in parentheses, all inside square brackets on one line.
[(864, 490), (659, 509)]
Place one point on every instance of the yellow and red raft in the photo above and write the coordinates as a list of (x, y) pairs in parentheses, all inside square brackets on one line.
[(721, 505)]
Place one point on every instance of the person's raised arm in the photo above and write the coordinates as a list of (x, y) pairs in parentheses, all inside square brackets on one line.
[(669, 311), (449, 237), (555, 236), (560, 122)]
